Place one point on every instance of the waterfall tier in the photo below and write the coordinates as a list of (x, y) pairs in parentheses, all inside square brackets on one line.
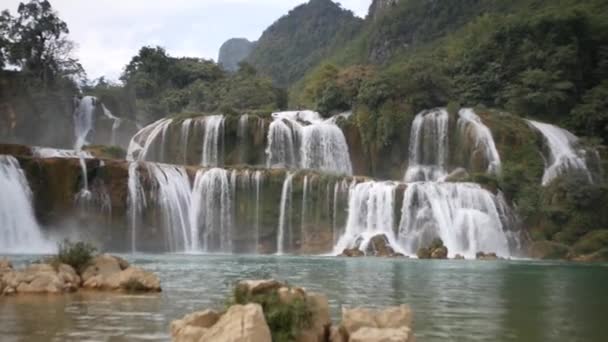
[(19, 230), (94, 123), (562, 157)]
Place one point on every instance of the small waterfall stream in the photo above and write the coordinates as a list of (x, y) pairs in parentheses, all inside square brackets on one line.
[(470, 124), (562, 158), (19, 230), (285, 213), (214, 133), (429, 146)]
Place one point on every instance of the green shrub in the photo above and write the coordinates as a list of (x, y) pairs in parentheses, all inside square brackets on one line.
[(285, 320), (76, 254)]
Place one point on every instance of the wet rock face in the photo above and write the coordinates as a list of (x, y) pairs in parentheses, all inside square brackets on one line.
[(108, 272), (436, 250), (390, 324), (38, 278)]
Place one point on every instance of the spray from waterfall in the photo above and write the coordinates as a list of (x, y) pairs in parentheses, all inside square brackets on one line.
[(563, 158), (19, 231)]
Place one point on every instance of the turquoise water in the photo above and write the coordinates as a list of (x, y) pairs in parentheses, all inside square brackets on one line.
[(452, 300)]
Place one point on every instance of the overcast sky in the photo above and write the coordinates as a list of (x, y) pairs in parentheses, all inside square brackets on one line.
[(109, 32)]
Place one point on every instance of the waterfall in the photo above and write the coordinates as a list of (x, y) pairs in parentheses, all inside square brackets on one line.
[(186, 137), (429, 146), (84, 120), (211, 211), (144, 139), (19, 231), (562, 157), (214, 131), (304, 204), (340, 188), (172, 196), (285, 212), (464, 215), (258, 183), (304, 140), (371, 209), (470, 125), (45, 152), (136, 202), (115, 125)]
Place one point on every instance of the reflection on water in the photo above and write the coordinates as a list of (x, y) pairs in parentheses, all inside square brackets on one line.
[(452, 300)]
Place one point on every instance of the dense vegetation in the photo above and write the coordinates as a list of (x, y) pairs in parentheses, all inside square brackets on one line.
[(301, 39)]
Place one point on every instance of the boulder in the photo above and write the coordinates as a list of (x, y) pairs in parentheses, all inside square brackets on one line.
[(130, 279), (41, 278), (424, 253), (104, 265), (193, 326), (5, 266), (458, 257), (242, 323), (352, 253), (392, 319), (253, 287), (380, 246), (440, 253), (321, 321), (486, 256), (366, 334)]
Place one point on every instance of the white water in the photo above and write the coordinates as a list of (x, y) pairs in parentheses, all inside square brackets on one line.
[(136, 202), (429, 146), (172, 194), (211, 211), (185, 136), (19, 231), (302, 139), (258, 184), (304, 205), (84, 120), (214, 131), (463, 215), (115, 125), (45, 152), (285, 212), (470, 124), (371, 211), (563, 158), (142, 141)]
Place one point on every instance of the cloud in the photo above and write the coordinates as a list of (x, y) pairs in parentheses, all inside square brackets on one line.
[(109, 32)]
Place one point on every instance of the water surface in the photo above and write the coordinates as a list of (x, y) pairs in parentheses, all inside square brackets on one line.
[(452, 300)]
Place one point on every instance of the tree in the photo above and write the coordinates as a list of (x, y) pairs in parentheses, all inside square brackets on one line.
[(36, 42)]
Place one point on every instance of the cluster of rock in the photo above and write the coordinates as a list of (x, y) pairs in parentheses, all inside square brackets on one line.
[(378, 246), (104, 272), (247, 322), (435, 251)]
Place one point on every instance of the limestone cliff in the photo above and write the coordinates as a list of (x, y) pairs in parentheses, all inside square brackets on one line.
[(233, 52)]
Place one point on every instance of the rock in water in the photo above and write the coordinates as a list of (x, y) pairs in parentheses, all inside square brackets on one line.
[(233, 52), (108, 272), (390, 324)]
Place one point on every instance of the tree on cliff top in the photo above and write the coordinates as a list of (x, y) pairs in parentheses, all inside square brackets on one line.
[(36, 41)]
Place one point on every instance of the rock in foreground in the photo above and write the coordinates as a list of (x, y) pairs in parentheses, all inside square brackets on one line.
[(262, 308), (105, 272)]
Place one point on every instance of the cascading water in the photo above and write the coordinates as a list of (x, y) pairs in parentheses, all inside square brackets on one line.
[(143, 140), (429, 146), (371, 211), (285, 212), (136, 202), (84, 120), (19, 231), (304, 140), (470, 125), (211, 211), (464, 215), (115, 125), (45, 152), (172, 196), (562, 158), (214, 132), (258, 178)]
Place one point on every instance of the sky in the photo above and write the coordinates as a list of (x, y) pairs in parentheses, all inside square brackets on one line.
[(109, 32)]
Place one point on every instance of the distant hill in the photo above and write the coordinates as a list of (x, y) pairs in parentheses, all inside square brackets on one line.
[(302, 38), (234, 51)]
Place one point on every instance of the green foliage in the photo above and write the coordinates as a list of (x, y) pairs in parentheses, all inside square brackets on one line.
[(285, 320), (76, 254), (298, 41), (591, 242)]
